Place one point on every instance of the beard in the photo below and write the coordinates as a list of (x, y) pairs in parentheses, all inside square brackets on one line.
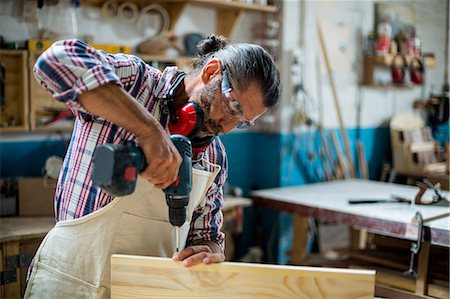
[(205, 98)]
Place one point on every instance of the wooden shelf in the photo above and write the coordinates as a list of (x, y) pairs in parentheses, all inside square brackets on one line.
[(229, 13), (224, 4), (220, 4), (430, 60), (390, 86), (13, 116)]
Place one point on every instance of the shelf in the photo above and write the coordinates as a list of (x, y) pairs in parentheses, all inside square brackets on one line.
[(14, 113), (430, 60), (229, 13), (219, 4), (224, 4), (390, 86)]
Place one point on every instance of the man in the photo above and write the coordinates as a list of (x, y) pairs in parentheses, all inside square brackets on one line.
[(119, 97)]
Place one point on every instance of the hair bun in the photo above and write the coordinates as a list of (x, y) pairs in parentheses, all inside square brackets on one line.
[(211, 44)]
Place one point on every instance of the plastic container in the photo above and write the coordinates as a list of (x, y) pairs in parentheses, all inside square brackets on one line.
[(384, 37)]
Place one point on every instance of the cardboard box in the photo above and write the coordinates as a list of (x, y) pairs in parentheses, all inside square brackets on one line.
[(36, 196)]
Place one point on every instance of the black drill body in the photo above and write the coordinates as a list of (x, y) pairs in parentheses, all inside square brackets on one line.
[(116, 166)]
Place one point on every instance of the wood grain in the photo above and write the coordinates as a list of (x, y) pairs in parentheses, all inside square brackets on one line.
[(152, 277)]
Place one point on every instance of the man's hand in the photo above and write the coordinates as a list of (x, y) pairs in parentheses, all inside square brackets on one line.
[(162, 157), (198, 254)]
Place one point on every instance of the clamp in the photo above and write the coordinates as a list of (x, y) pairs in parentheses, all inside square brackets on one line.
[(416, 245)]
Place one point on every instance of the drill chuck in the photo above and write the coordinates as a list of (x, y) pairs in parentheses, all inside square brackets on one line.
[(177, 210)]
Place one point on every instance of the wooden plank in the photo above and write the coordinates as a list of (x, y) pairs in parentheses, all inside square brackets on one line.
[(152, 277), (22, 228), (342, 159), (422, 269), (300, 238), (363, 167)]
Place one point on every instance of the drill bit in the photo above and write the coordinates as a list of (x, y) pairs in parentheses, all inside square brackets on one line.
[(177, 238)]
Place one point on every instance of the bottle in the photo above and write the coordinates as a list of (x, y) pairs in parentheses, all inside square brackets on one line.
[(384, 36)]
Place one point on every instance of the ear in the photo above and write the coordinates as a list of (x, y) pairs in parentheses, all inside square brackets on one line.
[(212, 69)]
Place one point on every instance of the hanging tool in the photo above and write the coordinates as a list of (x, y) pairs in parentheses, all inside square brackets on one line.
[(417, 227), (394, 199), (115, 169)]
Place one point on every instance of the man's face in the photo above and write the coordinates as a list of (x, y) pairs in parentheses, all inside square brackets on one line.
[(223, 113)]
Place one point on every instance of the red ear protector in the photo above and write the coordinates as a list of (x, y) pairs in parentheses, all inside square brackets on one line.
[(398, 69), (188, 121), (416, 71)]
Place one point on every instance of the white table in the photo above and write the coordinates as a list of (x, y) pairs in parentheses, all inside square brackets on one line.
[(329, 202)]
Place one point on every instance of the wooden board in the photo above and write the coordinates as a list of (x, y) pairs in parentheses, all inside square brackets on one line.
[(153, 277)]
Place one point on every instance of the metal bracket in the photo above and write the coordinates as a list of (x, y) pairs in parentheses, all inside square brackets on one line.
[(9, 276), (15, 261)]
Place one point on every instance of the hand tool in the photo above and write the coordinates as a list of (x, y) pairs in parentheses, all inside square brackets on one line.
[(437, 199), (115, 168), (394, 199)]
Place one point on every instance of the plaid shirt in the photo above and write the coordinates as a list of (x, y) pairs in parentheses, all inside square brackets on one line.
[(69, 68)]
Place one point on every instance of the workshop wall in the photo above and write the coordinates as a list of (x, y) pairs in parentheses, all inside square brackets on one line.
[(282, 150), (364, 110)]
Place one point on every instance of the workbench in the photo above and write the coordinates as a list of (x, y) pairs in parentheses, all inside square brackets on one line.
[(328, 202), (19, 239)]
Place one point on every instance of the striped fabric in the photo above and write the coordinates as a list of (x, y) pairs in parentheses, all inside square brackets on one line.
[(71, 67)]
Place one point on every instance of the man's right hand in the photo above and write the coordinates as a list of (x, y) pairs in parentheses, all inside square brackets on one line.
[(162, 157)]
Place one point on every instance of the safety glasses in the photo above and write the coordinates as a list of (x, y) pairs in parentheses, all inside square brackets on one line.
[(231, 105)]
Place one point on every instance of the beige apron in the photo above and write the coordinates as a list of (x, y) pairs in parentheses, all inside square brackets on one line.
[(73, 260)]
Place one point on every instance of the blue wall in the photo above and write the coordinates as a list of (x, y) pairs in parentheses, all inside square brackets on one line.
[(259, 160), (27, 158)]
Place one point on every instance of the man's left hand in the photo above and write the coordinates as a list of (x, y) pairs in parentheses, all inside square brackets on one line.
[(198, 254)]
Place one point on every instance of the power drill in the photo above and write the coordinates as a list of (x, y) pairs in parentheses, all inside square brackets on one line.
[(116, 166)]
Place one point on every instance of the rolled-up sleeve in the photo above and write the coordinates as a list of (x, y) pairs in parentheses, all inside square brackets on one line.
[(71, 67)]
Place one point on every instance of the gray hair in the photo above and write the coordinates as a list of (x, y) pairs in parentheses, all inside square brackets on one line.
[(245, 63)]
